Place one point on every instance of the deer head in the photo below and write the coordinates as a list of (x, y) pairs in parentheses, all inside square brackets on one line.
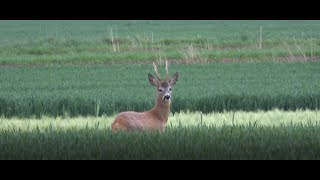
[(163, 86)]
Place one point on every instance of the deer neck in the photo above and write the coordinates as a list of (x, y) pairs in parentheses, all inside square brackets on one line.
[(161, 109)]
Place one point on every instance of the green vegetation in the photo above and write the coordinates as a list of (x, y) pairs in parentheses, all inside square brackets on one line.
[(95, 90), (262, 135), (82, 42), (62, 82)]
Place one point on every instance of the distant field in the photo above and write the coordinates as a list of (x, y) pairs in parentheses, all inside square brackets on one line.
[(82, 42), (100, 67), (240, 135), (97, 89)]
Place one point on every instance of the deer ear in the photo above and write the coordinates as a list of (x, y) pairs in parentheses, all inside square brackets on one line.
[(174, 79), (152, 80)]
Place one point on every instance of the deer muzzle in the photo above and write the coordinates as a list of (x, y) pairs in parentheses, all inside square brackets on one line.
[(166, 97)]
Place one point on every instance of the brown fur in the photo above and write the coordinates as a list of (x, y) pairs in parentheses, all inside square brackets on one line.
[(152, 120), (156, 118)]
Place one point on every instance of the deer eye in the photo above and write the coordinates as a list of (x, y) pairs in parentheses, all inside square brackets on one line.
[(160, 90), (170, 89)]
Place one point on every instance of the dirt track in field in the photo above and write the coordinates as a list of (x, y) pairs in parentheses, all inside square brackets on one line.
[(175, 61)]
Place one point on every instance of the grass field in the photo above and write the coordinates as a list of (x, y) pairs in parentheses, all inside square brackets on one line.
[(246, 90), (250, 135), (97, 89), (83, 42)]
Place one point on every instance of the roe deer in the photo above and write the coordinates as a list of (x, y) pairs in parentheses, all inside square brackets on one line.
[(156, 118)]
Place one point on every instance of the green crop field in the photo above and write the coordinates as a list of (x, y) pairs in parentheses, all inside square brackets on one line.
[(82, 42), (246, 90), (242, 135), (97, 89)]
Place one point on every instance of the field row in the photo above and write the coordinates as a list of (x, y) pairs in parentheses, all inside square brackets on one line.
[(88, 42), (272, 118), (240, 135), (96, 89)]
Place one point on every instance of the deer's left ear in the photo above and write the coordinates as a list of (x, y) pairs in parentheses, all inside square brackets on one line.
[(152, 80), (174, 79)]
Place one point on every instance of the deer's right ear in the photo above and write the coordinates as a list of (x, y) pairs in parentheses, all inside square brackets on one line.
[(152, 80)]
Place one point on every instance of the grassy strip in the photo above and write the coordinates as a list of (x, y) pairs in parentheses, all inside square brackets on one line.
[(52, 42), (254, 135)]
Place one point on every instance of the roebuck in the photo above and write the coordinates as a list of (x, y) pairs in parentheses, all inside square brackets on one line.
[(156, 118)]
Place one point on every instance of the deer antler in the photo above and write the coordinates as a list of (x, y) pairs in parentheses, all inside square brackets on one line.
[(156, 71), (167, 72)]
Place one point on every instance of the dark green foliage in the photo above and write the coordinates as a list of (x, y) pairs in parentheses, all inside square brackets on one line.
[(227, 142), (243, 102)]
